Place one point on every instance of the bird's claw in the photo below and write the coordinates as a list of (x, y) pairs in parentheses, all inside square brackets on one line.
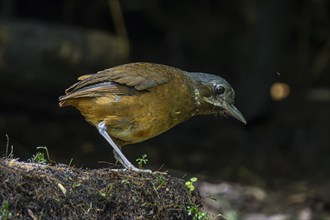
[(133, 169)]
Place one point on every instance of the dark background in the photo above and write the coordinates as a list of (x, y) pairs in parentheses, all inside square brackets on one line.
[(46, 45)]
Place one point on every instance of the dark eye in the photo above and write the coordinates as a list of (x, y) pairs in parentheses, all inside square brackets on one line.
[(219, 90)]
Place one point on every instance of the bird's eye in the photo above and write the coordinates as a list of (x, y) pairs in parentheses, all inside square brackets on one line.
[(219, 89)]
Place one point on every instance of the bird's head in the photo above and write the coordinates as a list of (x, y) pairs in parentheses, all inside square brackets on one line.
[(214, 95)]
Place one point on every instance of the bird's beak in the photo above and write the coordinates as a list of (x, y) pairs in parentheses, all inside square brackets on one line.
[(234, 112)]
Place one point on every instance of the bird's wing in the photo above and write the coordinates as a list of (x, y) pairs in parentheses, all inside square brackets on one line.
[(141, 76), (121, 80), (97, 90)]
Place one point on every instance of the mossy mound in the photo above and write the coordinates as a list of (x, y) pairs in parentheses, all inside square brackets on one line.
[(57, 191)]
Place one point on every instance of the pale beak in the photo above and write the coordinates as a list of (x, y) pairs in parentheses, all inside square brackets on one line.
[(234, 112)]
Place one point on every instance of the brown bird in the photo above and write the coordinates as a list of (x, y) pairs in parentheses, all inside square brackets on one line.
[(137, 101)]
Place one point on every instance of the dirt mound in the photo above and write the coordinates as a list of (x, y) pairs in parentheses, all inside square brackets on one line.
[(54, 191)]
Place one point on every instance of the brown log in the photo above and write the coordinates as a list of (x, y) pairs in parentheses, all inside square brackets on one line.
[(46, 55)]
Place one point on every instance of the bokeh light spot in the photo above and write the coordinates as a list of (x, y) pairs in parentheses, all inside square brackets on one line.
[(279, 91)]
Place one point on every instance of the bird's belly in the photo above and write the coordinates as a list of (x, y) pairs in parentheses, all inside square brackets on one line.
[(137, 128), (139, 122)]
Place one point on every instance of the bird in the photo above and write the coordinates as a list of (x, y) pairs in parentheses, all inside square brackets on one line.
[(133, 102)]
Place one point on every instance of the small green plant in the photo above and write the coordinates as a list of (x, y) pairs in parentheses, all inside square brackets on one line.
[(105, 192), (197, 214), (194, 210), (4, 210), (142, 161), (190, 184), (39, 158), (161, 181), (46, 150)]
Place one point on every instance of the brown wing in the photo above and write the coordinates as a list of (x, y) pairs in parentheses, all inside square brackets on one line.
[(121, 80)]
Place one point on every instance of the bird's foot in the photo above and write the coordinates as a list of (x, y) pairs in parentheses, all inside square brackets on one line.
[(135, 169), (161, 173)]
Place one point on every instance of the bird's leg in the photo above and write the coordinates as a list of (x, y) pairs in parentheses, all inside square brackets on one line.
[(117, 157), (118, 154)]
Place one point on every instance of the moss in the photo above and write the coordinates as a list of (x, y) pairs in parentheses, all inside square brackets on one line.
[(52, 191)]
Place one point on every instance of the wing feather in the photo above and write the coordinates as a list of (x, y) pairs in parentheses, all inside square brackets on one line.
[(126, 79)]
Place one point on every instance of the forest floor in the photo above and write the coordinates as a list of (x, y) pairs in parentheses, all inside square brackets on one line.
[(40, 190)]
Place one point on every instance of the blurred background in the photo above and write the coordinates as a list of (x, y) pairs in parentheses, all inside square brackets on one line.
[(275, 53)]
